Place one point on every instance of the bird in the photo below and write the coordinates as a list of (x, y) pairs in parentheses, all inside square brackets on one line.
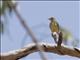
[(57, 30), (54, 27)]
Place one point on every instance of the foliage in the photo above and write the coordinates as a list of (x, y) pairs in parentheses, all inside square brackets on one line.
[(4, 8)]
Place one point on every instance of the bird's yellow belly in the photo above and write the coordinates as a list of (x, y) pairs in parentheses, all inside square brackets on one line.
[(54, 29)]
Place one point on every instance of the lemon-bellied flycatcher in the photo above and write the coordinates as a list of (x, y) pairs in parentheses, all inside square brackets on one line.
[(54, 27)]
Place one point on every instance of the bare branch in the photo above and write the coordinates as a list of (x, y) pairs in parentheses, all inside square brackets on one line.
[(17, 54)]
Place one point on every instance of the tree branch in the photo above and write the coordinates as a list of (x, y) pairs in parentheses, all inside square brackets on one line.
[(17, 54)]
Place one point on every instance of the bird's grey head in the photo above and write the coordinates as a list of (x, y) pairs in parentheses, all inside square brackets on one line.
[(51, 18)]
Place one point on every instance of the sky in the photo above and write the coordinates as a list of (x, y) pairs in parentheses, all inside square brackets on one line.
[(36, 14)]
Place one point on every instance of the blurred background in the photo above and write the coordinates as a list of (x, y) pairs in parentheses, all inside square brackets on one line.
[(36, 14)]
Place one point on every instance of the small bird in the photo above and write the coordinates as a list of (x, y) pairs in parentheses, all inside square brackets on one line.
[(65, 35), (54, 27)]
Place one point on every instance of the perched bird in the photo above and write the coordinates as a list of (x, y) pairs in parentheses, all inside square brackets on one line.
[(57, 30), (54, 27)]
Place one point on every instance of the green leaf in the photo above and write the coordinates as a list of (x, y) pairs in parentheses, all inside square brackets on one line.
[(5, 6)]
